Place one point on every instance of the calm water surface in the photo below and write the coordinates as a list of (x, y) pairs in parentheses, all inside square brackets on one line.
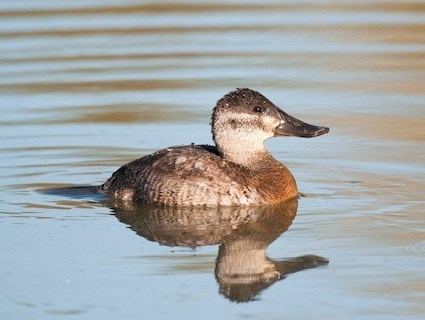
[(86, 86)]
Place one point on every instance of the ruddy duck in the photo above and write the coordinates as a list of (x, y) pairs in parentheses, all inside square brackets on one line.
[(237, 171)]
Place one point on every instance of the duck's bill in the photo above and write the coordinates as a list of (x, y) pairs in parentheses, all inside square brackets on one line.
[(291, 126)]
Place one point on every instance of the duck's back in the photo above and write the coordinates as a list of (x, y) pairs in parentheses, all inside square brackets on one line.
[(184, 176)]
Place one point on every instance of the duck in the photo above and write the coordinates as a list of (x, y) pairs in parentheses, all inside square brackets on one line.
[(237, 171)]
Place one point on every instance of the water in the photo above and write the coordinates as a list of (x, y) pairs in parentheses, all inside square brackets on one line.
[(86, 86)]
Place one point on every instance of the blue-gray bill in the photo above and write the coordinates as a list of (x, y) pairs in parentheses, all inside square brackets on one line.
[(290, 126)]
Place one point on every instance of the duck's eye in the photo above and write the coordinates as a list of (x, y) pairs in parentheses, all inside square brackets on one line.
[(259, 109)]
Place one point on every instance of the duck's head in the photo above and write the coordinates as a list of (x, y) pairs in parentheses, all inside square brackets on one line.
[(243, 119)]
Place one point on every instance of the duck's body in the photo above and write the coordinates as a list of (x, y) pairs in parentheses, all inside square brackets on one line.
[(198, 175), (237, 171)]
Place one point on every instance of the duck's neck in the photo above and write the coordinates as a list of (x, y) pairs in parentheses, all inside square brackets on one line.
[(245, 149), (272, 179)]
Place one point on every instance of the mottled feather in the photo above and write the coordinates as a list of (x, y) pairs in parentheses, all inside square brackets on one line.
[(184, 175)]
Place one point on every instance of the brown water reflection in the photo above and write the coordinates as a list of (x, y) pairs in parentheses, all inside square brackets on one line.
[(407, 6), (242, 267)]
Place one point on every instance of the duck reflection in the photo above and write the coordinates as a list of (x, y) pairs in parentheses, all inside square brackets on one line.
[(242, 268)]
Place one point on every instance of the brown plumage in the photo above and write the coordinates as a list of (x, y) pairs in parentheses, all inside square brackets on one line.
[(238, 171)]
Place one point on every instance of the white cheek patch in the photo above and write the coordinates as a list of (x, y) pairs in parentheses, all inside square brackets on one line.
[(270, 122), (240, 137)]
